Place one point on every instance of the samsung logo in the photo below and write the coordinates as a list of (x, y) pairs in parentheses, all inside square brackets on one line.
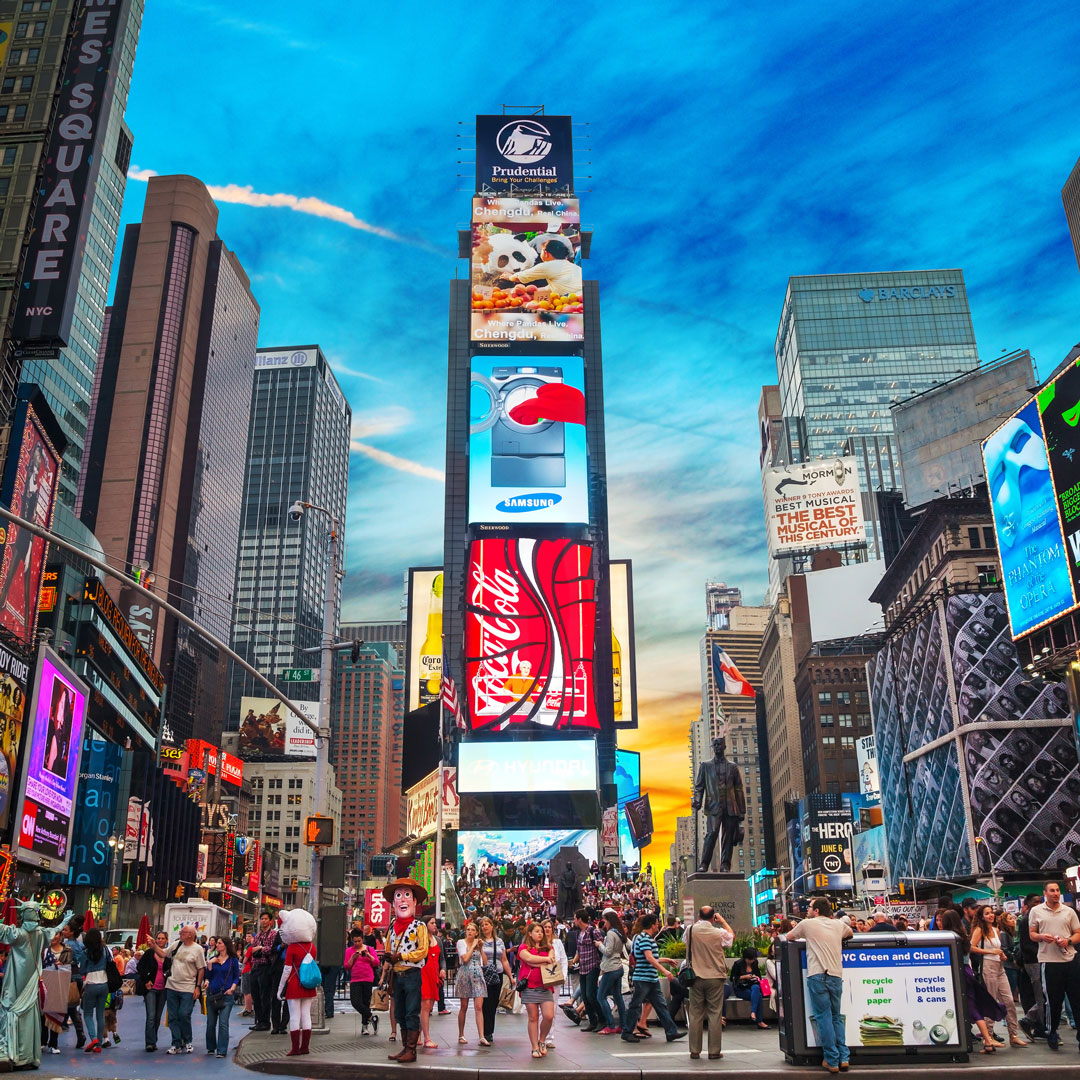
[(912, 292), (522, 504)]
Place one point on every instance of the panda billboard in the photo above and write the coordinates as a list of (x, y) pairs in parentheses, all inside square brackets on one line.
[(526, 270)]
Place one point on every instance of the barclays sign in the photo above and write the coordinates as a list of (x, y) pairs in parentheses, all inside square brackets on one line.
[(909, 292)]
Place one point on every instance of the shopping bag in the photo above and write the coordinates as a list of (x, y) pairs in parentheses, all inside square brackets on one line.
[(506, 998), (380, 1000), (57, 982)]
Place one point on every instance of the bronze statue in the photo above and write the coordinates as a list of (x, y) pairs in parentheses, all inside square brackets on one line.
[(718, 790)]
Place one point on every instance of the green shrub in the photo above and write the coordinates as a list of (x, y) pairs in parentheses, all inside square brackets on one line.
[(673, 949)]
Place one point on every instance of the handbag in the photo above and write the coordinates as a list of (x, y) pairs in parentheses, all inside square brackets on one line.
[(380, 999), (686, 975), (765, 986), (506, 997)]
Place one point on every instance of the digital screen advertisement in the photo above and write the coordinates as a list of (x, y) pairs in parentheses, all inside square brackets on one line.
[(527, 452), (896, 997), (813, 505), (551, 765), (423, 649), (627, 787), (30, 493), (497, 848), (530, 627), (526, 269), (269, 731), (524, 153), (623, 647), (1059, 412), (1034, 563), (13, 676), (51, 765)]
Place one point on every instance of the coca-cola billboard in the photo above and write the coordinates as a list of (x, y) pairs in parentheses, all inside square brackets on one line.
[(530, 625)]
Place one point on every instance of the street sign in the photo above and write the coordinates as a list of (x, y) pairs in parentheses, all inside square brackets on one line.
[(303, 883), (300, 674)]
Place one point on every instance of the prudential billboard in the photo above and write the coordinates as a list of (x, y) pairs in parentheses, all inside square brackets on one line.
[(527, 455)]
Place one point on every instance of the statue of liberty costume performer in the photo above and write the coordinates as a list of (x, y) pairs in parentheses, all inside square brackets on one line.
[(20, 1008)]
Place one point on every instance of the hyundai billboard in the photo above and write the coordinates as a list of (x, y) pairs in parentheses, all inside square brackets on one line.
[(527, 452), (551, 765), (530, 629), (1034, 565)]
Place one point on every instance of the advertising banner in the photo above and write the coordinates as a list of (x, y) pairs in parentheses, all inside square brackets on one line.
[(13, 675), (1034, 564), (50, 775), (97, 819), (895, 997), (1059, 413), (828, 847), (869, 782), (423, 649), (551, 765), (524, 154), (530, 626), (286, 358), (526, 270), (497, 848), (422, 804), (813, 505), (627, 787), (30, 491), (639, 818), (623, 646), (377, 911), (610, 833), (527, 450), (268, 734), (46, 299)]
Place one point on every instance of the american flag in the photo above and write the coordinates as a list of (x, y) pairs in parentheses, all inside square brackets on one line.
[(450, 698)]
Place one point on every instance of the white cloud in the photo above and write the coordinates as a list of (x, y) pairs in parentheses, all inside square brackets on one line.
[(387, 421), (246, 195), (392, 461)]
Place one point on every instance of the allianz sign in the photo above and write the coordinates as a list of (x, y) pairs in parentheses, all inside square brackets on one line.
[(912, 292)]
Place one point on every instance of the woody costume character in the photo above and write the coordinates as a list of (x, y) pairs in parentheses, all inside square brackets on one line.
[(406, 952)]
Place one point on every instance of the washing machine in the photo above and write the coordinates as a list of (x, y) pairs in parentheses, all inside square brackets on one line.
[(522, 455)]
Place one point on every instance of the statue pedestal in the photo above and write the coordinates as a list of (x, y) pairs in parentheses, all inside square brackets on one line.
[(729, 894)]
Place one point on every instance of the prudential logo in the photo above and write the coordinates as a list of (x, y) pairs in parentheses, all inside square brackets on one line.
[(524, 142), (909, 292)]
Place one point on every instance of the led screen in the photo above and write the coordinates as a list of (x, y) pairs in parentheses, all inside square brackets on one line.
[(524, 153), (523, 845), (1034, 565), (530, 627), (423, 650), (1059, 411), (627, 775), (552, 765), (51, 765), (13, 673), (30, 486), (623, 648), (527, 456), (526, 270)]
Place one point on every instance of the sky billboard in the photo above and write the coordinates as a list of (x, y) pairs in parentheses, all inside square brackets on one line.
[(525, 269), (623, 646), (815, 504), (269, 731), (527, 453), (1035, 564), (530, 627), (524, 154), (50, 776)]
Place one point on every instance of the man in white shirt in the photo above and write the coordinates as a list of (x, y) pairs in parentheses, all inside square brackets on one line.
[(706, 941), (824, 937), (556, 266), (1056, 928)]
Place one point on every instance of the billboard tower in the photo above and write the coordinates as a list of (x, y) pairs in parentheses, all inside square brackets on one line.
[(526, 603)]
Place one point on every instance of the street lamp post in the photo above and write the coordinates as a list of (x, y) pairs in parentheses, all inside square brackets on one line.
[(995, 881), (326, 671), (794, 882), (116, 851)]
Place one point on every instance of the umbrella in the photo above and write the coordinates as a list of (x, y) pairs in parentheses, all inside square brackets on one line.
[(144, 931), (89, 922)]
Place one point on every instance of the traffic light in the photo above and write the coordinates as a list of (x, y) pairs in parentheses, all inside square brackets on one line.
[(294, 881), (319, 832), (179, 893), (114, 892)]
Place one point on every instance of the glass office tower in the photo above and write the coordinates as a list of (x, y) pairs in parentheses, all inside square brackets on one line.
[(851, 345)]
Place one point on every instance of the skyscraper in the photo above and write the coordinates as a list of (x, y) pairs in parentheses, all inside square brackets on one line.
[(1070, 198), (719, 600), (847, 348), (164, 468), (297, 448), (64, 268)]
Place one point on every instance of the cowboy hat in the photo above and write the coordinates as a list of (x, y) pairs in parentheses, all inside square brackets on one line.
[(418, 890)]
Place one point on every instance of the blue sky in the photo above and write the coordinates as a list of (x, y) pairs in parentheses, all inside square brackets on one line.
[(731, 146)]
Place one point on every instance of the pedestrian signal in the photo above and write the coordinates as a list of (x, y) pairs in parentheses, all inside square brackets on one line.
[(319, 832)]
